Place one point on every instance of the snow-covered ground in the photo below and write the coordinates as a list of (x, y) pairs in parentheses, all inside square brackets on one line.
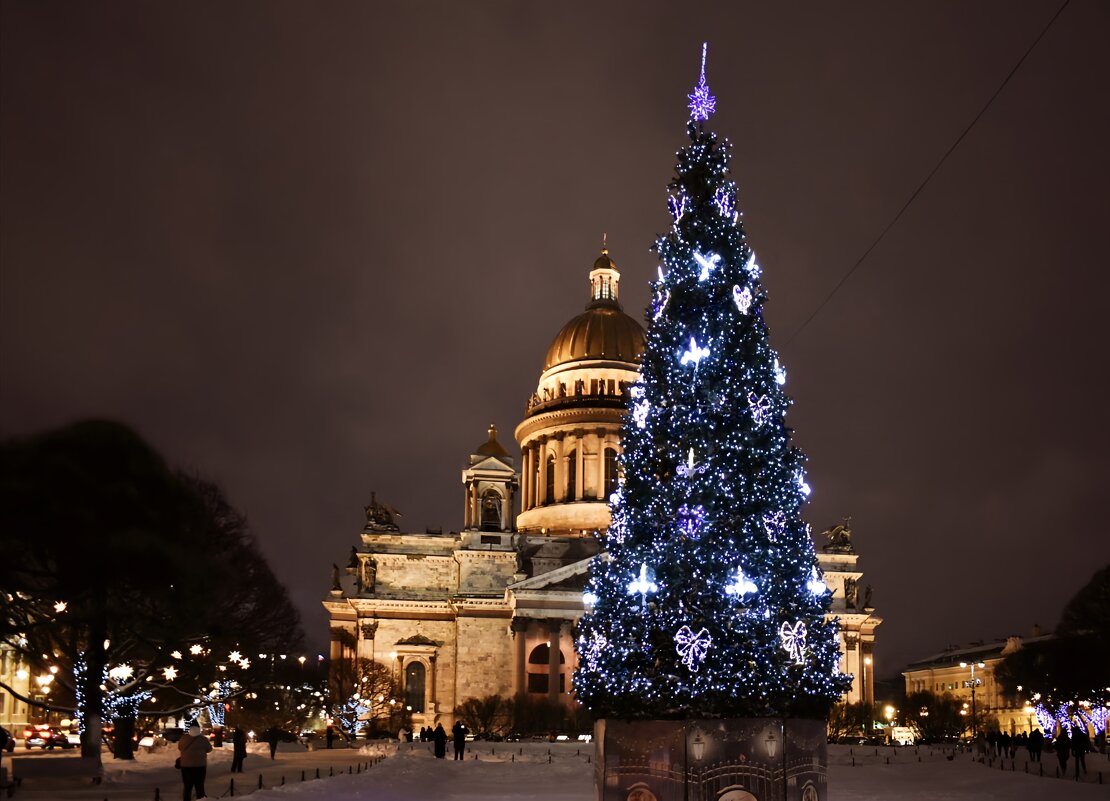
[(556, 772)]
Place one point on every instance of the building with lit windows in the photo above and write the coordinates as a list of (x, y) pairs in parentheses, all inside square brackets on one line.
[(955, 670), (490, 609)]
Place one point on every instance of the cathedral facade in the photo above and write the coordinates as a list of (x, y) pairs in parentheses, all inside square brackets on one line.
[(491, 609)]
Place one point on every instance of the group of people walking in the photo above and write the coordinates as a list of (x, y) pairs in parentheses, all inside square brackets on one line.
[(438, 736), (1076, 744)]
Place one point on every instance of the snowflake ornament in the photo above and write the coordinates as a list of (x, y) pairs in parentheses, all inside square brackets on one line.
[(742, 586), (694, 354), (702, 104)]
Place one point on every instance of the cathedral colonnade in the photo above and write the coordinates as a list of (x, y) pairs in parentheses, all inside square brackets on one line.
[(570, 466)]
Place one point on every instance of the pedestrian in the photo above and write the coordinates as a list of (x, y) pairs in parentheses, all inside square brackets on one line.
[(272, 736), (193, 751), (402, 735), (458, 732), (238, 749), (7, 742), (1080, 745), (439, 736), (1062, 745), (1004, 744), (1036, 744), (329, 735)]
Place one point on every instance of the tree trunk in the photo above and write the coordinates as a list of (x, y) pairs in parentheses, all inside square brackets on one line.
[(124, 745)]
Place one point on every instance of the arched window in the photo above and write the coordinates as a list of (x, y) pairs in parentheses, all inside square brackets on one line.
[(491, 510), (549, 480), (414, 686), (572, 475), (610, 472)]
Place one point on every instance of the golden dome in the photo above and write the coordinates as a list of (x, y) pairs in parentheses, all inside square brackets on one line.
[(602, 332), (491, 447)]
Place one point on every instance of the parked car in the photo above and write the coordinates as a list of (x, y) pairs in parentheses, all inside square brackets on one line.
[(45, 737)]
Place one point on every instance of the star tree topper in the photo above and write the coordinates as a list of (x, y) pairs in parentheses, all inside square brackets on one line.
[(702, 104)]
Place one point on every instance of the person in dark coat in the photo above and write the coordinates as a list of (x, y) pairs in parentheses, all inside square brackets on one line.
[(439, 736), (1036, 745), (1062, 745), (238, 749), (272, 737), (1080, 745), (329, 735), (458, 732)]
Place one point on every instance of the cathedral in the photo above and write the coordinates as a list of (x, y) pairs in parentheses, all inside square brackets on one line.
[(491, 609)]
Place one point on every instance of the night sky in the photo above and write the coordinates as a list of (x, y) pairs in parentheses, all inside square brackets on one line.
[(312, 251)]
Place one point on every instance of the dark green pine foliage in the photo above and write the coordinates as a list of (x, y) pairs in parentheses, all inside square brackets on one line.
[(711, 486)]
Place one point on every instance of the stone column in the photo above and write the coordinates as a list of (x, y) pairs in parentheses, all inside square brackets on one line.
[(431, 700), (560, 470), (579, 464), (541, 476), (554, 666), (600, 437), (525, 461), (520, 635)]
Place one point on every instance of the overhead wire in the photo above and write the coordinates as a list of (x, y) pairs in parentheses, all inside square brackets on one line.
[(928, 177)]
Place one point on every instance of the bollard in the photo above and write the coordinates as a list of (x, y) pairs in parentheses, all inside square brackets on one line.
[(282, 781), (578, 752), (157, 795), (358, 768), (331, 771), (888, 760), (919, 758), (522, 751), (491, 751), (350, 770), (876, 752), (853, 762), (475, 756), (588, 759), (548, 757), (512, 757), (259, 781), (302, 775), (317, 773), (230, 790)]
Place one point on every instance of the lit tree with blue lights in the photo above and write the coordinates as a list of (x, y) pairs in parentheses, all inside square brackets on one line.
[(708, 601)]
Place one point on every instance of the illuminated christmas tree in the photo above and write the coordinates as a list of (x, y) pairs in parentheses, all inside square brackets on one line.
[(708, 602)]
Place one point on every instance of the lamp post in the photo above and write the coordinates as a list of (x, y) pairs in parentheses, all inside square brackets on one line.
[(974, 720)]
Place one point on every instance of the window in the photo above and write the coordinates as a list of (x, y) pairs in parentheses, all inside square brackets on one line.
[(414, 686), (572, 475), (549, 481), (491, 511), (610, 472)]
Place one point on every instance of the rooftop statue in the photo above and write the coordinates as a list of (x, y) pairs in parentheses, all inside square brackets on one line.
[(839, 537), (379, 516)]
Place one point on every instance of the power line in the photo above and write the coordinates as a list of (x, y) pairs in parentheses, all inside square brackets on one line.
[(928, 177)]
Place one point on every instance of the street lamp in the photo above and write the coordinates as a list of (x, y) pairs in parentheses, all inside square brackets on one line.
[(974, 720)]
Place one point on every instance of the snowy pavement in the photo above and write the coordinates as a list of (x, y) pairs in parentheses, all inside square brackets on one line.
[(556, 772)]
